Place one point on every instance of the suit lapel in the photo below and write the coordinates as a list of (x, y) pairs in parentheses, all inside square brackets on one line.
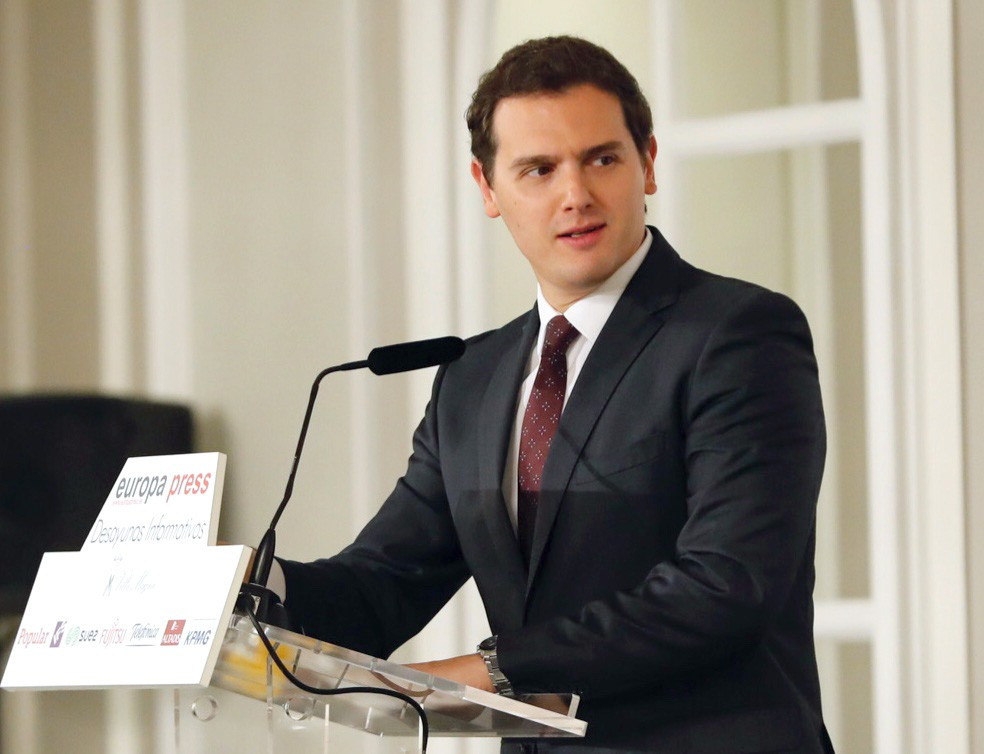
[(633, 323), (496, 416)]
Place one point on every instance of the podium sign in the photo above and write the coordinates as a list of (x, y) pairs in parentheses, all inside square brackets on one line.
[(161, 501), (151, 617), (146, 601)]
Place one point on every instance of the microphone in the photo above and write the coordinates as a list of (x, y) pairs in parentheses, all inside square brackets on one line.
[(401, 357), (420, 354)]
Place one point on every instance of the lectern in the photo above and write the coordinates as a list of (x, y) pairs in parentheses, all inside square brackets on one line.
[(148, 603), (250, 705)]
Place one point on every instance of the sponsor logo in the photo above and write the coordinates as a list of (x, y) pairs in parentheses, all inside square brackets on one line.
[(198, 633), (110, 637), (144, 634), (82, 636), (58, 634), (29, 637), (88, 636), (172, 633), (199, 637)]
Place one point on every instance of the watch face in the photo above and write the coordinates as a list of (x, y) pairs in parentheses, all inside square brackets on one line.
[(488, 644)]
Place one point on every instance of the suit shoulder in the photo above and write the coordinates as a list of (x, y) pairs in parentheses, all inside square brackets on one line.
[(492, 340), (721, 296), (667, 277), (485, 351)]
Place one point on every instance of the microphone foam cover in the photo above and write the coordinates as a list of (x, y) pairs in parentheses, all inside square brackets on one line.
[(418, 354)]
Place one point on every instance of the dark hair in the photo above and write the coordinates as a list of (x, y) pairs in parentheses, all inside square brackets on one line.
[(553, 64)]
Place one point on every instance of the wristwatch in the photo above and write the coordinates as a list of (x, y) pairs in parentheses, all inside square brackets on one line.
[(501, 684)]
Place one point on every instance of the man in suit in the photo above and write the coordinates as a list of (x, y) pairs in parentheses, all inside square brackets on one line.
[(654, 553)]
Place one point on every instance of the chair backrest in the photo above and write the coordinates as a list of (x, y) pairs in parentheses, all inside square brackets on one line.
[(59, 457)]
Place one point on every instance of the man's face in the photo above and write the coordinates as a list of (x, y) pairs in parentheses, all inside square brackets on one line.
[(570, 185)]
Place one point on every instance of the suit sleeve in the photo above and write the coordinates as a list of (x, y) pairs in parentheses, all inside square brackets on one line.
[(402, 568), (754, 444)]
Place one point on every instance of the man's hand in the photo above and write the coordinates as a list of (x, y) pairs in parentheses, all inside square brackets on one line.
[(467, 669)]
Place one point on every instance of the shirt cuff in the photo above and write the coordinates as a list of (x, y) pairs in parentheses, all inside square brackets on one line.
[(277, 582)]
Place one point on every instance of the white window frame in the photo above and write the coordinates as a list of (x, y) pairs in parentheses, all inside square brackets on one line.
[(915, 617)]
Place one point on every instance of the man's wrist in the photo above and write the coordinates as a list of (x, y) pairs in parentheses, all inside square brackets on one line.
[(488, 650)]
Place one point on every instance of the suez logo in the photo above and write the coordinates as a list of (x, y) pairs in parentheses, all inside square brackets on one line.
[(139, 489), (173, 633)]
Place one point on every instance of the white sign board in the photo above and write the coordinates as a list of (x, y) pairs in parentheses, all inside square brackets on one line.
[(162, 500), (147, 601), (152, 617)]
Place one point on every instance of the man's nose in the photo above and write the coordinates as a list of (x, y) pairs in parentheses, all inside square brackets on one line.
[(576, 190)]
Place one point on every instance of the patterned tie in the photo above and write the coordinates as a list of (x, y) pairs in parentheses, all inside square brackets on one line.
[(540, 424)]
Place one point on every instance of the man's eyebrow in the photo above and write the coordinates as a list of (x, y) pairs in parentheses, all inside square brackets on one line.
[(608, 146), (528, 161)]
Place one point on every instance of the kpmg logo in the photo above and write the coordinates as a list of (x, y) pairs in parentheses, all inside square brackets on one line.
[(172, 634), (58, 634)]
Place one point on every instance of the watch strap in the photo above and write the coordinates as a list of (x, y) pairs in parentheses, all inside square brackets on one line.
[(488, 651)]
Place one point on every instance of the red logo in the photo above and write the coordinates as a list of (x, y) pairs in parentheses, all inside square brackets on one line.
[(172, 634)]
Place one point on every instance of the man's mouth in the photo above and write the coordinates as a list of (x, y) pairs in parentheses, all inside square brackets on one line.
[(583, 231)]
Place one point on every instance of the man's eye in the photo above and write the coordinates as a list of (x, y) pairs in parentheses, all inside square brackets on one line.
[(539, 171), (606, 159)]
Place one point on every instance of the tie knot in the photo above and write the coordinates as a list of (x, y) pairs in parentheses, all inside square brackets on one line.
[(560, 334)]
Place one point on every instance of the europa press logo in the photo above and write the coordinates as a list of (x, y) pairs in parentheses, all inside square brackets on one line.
[(172, 634)]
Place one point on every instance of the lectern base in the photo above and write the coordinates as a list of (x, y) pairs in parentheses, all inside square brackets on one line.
[(211, 721)]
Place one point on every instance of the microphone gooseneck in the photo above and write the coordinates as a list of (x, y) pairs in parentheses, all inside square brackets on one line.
[(268, 607), (259, 603), (402, 357)]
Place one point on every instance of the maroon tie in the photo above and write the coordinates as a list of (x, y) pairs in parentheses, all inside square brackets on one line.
[(540, 424)]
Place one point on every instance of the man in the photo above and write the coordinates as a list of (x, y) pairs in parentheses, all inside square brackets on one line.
[(650, 548)]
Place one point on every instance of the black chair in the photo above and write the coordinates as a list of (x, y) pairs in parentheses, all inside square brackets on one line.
[(59, 458)]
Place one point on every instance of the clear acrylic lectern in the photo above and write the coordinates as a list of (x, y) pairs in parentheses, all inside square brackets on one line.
[(251, 706)]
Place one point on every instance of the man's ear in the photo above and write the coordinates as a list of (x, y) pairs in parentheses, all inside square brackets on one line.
[(649, 158), (488, 195)]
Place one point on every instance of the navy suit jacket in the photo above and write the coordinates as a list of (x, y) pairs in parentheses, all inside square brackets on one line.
[(672, 569)]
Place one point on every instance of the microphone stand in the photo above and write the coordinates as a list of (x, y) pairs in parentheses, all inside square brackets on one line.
[(256, 600), (402, 357), (266, 604)]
